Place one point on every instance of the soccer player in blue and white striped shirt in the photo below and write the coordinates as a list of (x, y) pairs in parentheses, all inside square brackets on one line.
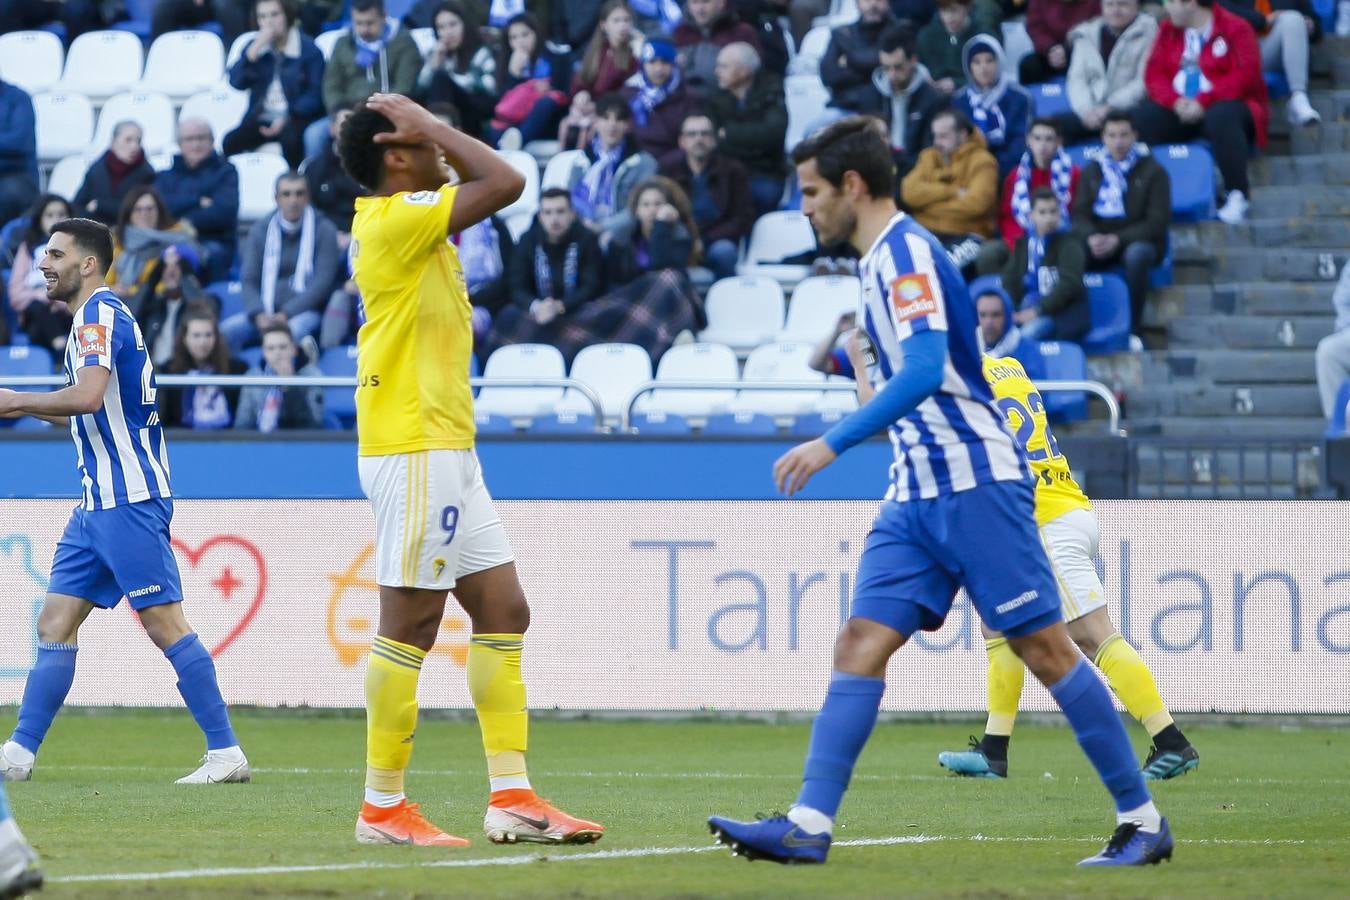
[(117, 541), (959, 511)]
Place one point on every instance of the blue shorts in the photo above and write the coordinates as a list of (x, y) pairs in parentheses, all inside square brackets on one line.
[(107, 554), (984, 539)]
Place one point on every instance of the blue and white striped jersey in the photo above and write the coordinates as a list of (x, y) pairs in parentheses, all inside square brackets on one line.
[(956, 438), (119, 449)]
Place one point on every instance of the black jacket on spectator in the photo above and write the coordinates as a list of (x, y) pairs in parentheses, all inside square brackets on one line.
[(729, 187), (183, 189), (921, 102), (1247, 10), (97, 189), (669, 248), (850, 81), (764, 16), (1148, 204), (1067, 300), (171, 399), (753, 132), (916, 12), (569, 21), (590, 267), (332, 191)]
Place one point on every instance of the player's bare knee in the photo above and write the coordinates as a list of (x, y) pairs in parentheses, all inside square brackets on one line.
[(1049, 653), (165, 624), (863, 647), (56, 625)]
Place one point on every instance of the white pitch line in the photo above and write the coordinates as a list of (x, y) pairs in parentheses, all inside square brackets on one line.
[(448, 773), (634, 853)]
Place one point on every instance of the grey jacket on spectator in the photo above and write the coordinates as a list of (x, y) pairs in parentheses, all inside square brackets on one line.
[(322, 277), (346, 84), (1117, 82), (301, 407)]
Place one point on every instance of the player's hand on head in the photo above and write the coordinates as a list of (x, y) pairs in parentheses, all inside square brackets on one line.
[(412, 123), (794, 468)]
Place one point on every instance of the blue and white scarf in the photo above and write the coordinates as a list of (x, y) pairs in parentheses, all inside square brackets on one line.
[(205, 407), (367, 52), (649, 96), (480, 254), (271, 263), (1110, 202), (1061, 182), (543, 271), (667, 12), (269, 414), (593, 197), (986, 113)]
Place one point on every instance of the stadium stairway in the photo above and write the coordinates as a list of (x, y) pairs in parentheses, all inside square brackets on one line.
[(1230, 344)]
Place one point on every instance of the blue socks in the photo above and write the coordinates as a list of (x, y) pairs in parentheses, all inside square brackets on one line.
[(197, 683), (4, 804), (44, 694), (841, 729), (1097, 726)]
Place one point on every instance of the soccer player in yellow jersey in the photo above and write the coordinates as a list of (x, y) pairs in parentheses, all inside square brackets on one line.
[(436, 529)]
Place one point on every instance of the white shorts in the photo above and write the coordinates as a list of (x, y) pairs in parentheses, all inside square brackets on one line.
[(1071, 543), (434, 520)]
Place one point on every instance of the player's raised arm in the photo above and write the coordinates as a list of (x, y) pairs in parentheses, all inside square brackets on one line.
[(488, 183)]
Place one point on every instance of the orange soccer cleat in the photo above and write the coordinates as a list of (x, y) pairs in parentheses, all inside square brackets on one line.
[(522, 816), (402, 824)]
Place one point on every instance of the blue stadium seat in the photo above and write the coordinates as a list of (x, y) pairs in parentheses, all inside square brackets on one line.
[(816, 424), (1336, 427), (1082, 154), (1326, 11), (1162, 275), (24, 360), (1064, 361), (1276, 85), (1050, 98), (252, 357), (1110, 300), (741, 423), (563, 423), (660, 423), (138, 18), (231, 297), (339, 401), (1191, 168), (488, 423)]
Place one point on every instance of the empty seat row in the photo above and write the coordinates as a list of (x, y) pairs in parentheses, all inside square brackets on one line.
[(103, 63), (66, 123)]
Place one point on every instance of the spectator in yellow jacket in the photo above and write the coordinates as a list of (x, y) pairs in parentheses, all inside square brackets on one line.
[(953, 188)]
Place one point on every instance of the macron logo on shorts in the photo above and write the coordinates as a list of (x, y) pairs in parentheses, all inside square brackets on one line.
[(1019, 600), (141, 592)]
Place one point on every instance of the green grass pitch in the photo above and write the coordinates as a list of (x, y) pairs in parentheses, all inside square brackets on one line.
[(1265, 814)]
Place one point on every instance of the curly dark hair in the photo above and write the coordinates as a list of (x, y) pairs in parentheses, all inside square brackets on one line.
[(360, 155)]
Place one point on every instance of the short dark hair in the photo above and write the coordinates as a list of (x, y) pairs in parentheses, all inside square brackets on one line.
[(898, 36), (288, 175), (613, 103), (367, 5), (852, 144), (959, 119), (1043, 193), (555, 193), (1046, 122), (360, 155), (1119, 115), (288, 9), (276, 328), (91, 238)]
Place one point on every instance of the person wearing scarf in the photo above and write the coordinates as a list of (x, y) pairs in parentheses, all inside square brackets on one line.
[(1122, 207), (269, 409), (1044, 277), (289, 268), (1000, 108), (122, 166), (659, 100), (612, 166), (1044, 164), (485, 252)]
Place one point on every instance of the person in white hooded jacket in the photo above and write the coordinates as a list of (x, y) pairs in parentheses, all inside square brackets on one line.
[(1106, 67)]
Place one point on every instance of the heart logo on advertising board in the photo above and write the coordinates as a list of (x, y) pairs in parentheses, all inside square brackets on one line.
[(226, 582)]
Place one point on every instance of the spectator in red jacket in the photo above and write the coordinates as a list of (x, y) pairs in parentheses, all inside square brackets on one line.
[(1044, 164), (1048, 24), (1204, 80), (708, 26)]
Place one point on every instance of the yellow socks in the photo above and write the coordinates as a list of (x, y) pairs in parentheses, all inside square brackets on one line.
[(499, 698), (1130, 678), (1005, 677), (391, 717)]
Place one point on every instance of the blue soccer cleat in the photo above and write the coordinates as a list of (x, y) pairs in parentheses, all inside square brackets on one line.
[(1132, 846), (1164, 764), (778, 839), (973, 763)]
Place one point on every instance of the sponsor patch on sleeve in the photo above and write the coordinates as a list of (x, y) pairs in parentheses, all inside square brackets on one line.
[(423, 198), (91, 340), (913, 296)]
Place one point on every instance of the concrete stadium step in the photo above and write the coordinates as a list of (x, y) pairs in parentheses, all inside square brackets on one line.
[(1328, 137), (1276, 263), (1290, 201), (1260, 298), (1317, 168), (1248, 428), (1273, 233), (1230, 367), (1248, 332), (1223, 401)]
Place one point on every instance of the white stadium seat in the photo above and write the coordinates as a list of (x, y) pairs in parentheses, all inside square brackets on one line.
[(102, 63), (518, 224), (807, 97), (68, 174), (521, 361), (743, 312), (237, 49), (65, 124), (153, 112), (693, 362), (258, 174), (614, 371), (812, 50), (558, 169), (783, 361), (817, 303), (223, 108), (163, 162), (778, 235), (327, 40), (31, 59), (425, 38), (181, 63), (528, 202)]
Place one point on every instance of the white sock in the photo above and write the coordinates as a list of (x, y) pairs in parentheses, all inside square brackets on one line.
[(19, 754), (812, 820), (383, 798), (10, 834), (508, 783), (1147, 817)]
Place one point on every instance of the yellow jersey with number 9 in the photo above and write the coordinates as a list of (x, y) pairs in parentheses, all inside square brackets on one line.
[(1017, 398), (412, 362)]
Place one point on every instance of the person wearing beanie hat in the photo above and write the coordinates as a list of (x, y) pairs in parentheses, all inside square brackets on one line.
[(659, 99)]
